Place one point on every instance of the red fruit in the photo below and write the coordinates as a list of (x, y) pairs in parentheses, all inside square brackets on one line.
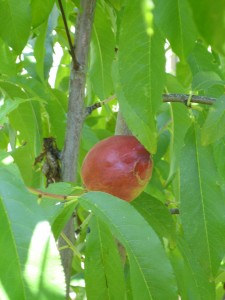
[(118, 165)]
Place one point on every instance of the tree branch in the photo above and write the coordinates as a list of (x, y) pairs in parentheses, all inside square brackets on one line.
[(96, 105), (182, 98), (75, 118)]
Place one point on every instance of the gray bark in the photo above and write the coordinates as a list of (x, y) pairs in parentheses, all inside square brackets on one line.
[(75, 118)]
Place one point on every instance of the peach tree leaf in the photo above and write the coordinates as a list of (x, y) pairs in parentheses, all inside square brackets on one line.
[(145, 252)]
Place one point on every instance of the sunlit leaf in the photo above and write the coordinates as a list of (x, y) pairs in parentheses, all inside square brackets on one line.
[(31, 261), (209, 18), (15, 23), (176, 20), (40, 12), (7, 60)]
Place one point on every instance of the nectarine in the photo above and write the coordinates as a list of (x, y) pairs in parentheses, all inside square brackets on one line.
[(118, 165)]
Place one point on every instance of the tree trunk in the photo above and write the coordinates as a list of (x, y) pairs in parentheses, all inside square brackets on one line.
[(76, 116)]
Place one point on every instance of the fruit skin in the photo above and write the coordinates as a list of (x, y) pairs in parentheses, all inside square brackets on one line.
[(118, 165)]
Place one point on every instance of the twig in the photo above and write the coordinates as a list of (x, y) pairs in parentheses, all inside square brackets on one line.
[(71, 246), (72, 52), (42, 194), (96, 105), (182, 98), (58, 197)]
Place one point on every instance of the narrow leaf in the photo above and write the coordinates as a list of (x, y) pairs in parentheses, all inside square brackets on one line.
[(180, 124), (209, 18), (145, 251), (140, 77), (102, 52), (201, 60), (157, 215), (37, 7), (213, 128), (29, 257), (202, 203), (192, 280), (7, 60), (15, 23), (205, 80), (175, 19), (26, 120), (103, 266)]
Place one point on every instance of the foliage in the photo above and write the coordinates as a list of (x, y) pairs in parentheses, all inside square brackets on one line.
[(132, 43)]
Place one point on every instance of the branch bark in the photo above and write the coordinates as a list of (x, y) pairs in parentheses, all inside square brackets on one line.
[(181, 98), (75, 118)]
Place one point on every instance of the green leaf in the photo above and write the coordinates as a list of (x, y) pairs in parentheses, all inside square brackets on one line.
[(103, 266), (192, 280), (209, 18), (61, 220), (205, 80), (12, 89), (213, 128), (180, 124), (29, 257), (40, 51), (7, 60), (201, 60), (157, 215), (40, 12), (43, 50), (56, 106), (63, 72), (15, 23), (115, 3), (175, 19), (140, 74), (11, 105), (219, 150), (102, 52), (144, 249), (202, 203), (26, 120)]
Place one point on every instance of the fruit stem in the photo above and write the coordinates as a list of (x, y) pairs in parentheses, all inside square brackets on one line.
[(121, 126)]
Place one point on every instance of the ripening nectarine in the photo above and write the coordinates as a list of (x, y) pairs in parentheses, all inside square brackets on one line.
[(118, 165)]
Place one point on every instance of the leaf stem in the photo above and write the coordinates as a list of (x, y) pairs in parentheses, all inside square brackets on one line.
[(71, 246), (58, 197), (72, 52)]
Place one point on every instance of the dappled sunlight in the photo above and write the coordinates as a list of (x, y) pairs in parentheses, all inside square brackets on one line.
[(43, 273), (3, 293)]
